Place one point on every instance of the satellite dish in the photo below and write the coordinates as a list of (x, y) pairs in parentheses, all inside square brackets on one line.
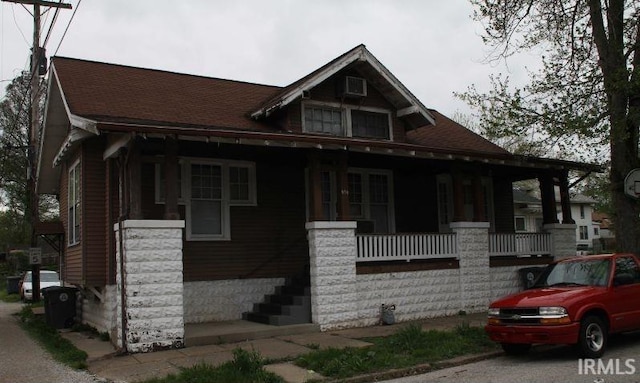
[(632, 183)]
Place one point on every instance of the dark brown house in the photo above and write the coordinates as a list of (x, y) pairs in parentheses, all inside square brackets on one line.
[(222, 190)]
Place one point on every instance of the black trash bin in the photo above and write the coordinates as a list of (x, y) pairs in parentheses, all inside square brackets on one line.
[(13, 285), (529, 275), (60, 306)]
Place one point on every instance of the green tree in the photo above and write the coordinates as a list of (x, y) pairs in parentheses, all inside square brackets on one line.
[(15, 120), (586, 95)]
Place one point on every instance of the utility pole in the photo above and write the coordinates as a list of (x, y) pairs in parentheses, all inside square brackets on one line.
[(37, 57)]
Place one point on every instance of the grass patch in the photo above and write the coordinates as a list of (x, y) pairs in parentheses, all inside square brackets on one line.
[(408, 347), (60, 348), (246, 367)]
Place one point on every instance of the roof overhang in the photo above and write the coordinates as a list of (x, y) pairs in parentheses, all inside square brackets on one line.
[(290, 140), (409, 106), (61, 132)]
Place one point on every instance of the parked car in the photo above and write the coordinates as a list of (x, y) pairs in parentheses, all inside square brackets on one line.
[(47, 279), (578, 301)]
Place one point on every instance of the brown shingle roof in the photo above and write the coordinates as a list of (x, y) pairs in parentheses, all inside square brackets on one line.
[(449, 135), (116, 93)]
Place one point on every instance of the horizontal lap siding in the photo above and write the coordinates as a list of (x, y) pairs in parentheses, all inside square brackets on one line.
[(94, 211), (267, 240), (73, 254)]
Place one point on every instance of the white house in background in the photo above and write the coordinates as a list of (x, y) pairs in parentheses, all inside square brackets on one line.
[(528, 216)]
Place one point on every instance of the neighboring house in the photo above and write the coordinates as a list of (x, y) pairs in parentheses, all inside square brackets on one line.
[(187, 199), (528, 217), (606, 231)]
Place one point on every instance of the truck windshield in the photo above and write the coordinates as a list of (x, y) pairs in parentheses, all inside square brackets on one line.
[(583, 272)]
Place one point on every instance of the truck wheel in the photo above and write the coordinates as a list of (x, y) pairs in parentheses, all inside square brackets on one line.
[(516, 348), (593, 337)]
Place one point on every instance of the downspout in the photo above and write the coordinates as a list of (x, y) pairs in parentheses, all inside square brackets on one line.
[(124, 212)]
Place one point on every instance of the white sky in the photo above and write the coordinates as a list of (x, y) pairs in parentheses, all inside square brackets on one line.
[(432, 46)]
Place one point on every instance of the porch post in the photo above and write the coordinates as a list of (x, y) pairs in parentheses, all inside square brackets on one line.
[(475, 273), (151, 290), (171, 179), (458, 197), (548, 197), (315, 187), (479, 211), (332, 258), (563, 239), (565, 199), (343, 188), (135, 171)]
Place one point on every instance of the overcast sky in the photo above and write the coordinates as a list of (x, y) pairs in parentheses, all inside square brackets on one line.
[(432, 46)]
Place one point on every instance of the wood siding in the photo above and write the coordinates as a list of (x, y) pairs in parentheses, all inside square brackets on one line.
[(72, 272), (327, 92), (93, 213), (267, 240)]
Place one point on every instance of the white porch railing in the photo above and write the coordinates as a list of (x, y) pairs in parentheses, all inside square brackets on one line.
[(520, 244), (405, 247)]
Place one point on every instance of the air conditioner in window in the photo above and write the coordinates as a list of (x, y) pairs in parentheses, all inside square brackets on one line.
[(355, 86)]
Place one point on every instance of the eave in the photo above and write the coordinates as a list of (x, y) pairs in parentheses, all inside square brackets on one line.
[(61, 131), (292, 140), (409, 106)]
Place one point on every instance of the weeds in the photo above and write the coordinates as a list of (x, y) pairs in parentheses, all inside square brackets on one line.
[(246, 367), (60, 348), (409, 346)]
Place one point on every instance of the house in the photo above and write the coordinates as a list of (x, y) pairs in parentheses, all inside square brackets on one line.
[(607, 238), (186, 199), (528, 217)]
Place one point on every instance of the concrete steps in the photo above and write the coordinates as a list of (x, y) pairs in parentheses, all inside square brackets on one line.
[(290, 304)]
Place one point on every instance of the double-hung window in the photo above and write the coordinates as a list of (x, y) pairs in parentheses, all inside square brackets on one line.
[(208, 188), (346, 120), (74, 204)]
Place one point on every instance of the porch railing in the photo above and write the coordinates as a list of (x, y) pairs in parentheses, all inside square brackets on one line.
[(405, 247), (520, 244)]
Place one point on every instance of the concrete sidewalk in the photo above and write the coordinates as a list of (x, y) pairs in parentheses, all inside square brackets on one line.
[(104, 362)]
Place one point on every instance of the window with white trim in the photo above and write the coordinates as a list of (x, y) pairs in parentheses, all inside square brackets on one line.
[(520, 224), (208, 188), (370, 197), (445, 200), (346, 120), (584, 232), (74, 203)]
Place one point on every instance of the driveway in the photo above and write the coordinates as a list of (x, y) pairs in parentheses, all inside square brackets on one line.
[(22, 360)]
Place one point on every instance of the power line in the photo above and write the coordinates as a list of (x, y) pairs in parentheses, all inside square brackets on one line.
[(67, 28), (17, 25), (55, 17)]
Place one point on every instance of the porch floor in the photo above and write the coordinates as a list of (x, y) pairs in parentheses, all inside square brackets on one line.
[(200, 334)]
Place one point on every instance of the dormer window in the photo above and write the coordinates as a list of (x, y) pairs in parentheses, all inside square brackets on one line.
[(346, 120)]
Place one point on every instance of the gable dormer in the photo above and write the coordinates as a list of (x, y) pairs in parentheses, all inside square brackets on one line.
[(352, 96)]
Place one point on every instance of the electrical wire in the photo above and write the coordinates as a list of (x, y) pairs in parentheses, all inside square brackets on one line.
[(67, 28), (17, 25)]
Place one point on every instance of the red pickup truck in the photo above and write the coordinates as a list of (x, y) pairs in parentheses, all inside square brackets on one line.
[(577, 301)]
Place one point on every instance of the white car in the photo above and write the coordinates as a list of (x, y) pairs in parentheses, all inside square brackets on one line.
[(47, 279)]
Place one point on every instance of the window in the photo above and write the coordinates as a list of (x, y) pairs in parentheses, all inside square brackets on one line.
[(323, 120), (206, 218), (582, 211), (596, 231), (626, 265), (445, 200), (369, 124), (584, 232), (346, 120), (370, 197), (208, 188), (74, 204), (520, 224)]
